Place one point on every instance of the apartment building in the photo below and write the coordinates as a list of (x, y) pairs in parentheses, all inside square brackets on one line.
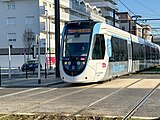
[(127, 23), (19, 17), (109, 8), (15, 17)]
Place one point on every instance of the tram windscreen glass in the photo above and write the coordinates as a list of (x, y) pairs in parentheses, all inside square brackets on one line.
[(77, 43)]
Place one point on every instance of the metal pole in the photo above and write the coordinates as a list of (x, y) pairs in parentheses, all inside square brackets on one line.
[(129, 26), (57, 36), (39, 61), (49, 43), (114, 17), (142, 32), (9, 59), (26, 72), (45, 72), (47, 39)]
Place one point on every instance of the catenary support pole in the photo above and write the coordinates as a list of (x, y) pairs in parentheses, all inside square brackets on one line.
[(114, 17), (9, 59), (39, 60), (57, 36)]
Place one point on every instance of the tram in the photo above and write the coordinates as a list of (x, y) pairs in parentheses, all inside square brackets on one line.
[(93, 51)]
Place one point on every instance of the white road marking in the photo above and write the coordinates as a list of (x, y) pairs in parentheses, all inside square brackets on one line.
[(16, 93)]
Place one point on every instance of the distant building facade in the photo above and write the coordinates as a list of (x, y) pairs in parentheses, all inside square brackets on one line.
[(127, 23), (146, 32), (108, 7)]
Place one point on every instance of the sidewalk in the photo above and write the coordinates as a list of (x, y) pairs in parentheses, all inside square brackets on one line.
[(31, 81)]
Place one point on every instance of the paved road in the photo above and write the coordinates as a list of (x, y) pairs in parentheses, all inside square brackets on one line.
[(114, 98)]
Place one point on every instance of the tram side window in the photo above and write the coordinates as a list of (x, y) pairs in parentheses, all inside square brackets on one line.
[(148, 52), (157, 54), (99, 47), (119, 50)]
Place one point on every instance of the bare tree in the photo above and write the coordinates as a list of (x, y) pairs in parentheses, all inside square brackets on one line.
[(28, 40)]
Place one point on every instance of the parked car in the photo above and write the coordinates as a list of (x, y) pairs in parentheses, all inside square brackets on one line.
[(31, 65)]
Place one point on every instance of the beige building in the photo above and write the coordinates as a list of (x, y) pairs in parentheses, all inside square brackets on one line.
[(146, 31), (127, 23), (108, 7)]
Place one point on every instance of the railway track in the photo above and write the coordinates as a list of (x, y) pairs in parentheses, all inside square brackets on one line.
[(139, 104), (105, 97)]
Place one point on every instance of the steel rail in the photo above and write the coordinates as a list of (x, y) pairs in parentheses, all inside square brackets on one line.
[(130, 113), (105, 97)]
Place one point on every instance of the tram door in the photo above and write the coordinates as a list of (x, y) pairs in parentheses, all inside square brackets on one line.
[(98, 55), (129, 56)]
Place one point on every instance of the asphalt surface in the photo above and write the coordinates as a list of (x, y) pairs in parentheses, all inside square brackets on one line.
[(114, 98)]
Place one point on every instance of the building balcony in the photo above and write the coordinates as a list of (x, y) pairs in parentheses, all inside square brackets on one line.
[(103, 4), (65, 3), (97, 17), (67, 17), (42, 12), (51, 28), (42, 26)]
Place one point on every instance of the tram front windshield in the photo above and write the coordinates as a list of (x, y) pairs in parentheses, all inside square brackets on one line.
[(76, 45)]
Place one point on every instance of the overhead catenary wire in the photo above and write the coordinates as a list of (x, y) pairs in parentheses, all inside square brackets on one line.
[(127, 7), (144, 22), (155, 12)]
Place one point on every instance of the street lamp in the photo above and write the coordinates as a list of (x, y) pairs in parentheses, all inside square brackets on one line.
[(136, 17)]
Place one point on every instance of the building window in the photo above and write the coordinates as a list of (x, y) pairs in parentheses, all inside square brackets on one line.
[(11, 37), (30, 20), (123, 28), (11, 20), (11, 5), (50, 5), (44, 4)]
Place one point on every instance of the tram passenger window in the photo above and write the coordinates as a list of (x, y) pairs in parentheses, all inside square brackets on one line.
[(148, 52), (138, 51), (119, 50), (99, 47)]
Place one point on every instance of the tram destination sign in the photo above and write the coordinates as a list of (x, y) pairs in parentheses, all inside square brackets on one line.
[(81, 31)]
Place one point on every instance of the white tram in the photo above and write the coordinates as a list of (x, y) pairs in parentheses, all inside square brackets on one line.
[(93, 51)]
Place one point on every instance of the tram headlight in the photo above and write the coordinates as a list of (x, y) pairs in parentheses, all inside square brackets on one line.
[(78, 63), (69, 62), (65, 63)]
